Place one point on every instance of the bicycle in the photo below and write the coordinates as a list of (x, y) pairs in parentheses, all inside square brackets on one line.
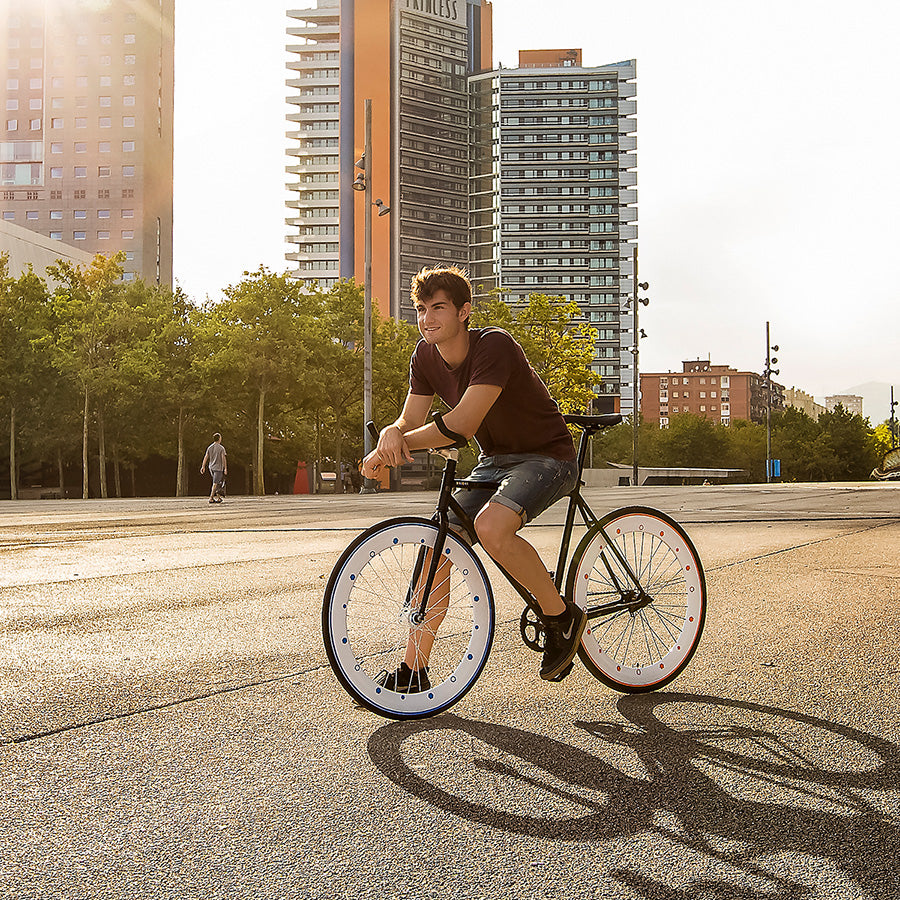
[(635, 571)]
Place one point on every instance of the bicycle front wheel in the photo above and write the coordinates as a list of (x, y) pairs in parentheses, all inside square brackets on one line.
[(369, 617), (638, 637)]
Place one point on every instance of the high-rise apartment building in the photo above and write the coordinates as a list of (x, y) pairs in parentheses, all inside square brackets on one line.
[(553, 193), (525, 176), (86, 144)]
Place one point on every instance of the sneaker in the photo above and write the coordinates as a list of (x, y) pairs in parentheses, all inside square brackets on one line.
[(562, 636), (404, 680)]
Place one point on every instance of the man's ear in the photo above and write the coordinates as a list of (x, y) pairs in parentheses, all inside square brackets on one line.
[(465, 311)]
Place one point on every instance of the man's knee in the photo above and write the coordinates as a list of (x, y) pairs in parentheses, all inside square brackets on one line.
[(495, 525)]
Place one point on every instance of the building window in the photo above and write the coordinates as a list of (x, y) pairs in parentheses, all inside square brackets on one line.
[(127, 234), (56, 195), (128, 171), (128, 146), (103, 171), (106, 101), (127, 213), (12, 125), (127, 193), (102, 235), (55, 172), (31, 214), (55, 235), (80, 171), (78, 195), (80, 147), (128, 121), (128, 80), (128, 100), (56, 147), (55, 213), (80, 213), (129, 38), (102, 213), (35, 124), (103, 146), (56, 123), (79, 235), (103, 194), (105, 122)]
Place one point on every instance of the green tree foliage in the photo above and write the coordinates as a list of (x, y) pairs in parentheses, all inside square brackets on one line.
[(256, 347), (23, 372), (277, 366)]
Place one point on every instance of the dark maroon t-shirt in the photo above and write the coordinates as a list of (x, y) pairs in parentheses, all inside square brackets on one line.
[(523, 419)]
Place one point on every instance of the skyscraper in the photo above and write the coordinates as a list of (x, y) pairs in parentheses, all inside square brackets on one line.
[(553, 192), (86, 148)]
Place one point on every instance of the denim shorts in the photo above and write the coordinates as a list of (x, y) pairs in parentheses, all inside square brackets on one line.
[(529, 484)]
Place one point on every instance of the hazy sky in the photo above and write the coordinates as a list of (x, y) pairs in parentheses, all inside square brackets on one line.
[(768, 159)]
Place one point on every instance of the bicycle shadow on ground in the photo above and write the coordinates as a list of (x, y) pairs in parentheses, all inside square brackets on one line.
[(730, 779)]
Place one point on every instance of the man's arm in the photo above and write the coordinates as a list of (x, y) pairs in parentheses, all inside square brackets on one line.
[(465, 418), (203, 464), (224, 462)]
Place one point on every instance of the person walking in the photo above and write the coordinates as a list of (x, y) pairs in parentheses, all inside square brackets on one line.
[(217, 460)]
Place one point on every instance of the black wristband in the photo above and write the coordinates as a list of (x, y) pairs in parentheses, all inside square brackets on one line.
[(457, 439)]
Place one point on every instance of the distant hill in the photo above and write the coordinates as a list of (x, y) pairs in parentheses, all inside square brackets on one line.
[(876, 399)]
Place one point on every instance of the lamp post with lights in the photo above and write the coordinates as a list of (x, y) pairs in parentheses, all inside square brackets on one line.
[(363, 183)]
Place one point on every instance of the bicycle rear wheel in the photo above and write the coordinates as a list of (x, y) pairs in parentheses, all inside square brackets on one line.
[(368, 618), (638, 642)]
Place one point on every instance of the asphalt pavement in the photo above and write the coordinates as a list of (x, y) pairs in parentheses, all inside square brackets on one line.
[(169, 726)]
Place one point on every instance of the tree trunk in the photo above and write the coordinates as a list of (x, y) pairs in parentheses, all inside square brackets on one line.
[(317, 474), (101, 441), (13, 480), (180, 473), (259, 487), (116, 473), (59, 464), (85, 489), (338, 448)]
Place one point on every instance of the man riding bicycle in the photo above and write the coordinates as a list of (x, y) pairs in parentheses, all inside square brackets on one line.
[(495, 396)]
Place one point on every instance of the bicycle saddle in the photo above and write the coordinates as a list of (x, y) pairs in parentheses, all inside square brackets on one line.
[(594, 423)]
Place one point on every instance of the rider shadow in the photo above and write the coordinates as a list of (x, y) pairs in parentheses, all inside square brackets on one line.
[(730, 779)]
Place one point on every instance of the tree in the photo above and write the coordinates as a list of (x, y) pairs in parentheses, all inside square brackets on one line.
[(22, 320), (90, 330), (256, 338)]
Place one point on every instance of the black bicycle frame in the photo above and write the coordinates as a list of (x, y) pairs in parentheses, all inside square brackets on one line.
[(577, 504)]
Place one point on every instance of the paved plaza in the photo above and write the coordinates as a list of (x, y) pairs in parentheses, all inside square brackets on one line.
[(169, 726)]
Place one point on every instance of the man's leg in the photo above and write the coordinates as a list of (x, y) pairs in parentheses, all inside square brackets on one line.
[(497, 527), (422, 637)]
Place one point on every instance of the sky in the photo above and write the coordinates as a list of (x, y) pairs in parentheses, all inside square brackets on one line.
[(768, 175)]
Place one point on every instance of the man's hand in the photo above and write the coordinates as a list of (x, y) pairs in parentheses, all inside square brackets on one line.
[(392, 447), (202, 469)]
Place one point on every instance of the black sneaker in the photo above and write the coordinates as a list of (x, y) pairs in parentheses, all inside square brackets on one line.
[(562, 637), (404, 680)]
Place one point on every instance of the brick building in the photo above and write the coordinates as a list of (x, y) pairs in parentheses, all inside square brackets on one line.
[(720, 393)]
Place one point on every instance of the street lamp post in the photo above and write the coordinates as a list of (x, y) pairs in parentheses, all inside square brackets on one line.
[(635, 349), (770, 361), (363, 182), (893, 420)]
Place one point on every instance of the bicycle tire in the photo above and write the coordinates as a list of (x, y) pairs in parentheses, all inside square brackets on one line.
[(366, 618), (645, 649)]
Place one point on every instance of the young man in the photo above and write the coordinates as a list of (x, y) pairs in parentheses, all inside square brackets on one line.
[(217, 460), (495, 396)]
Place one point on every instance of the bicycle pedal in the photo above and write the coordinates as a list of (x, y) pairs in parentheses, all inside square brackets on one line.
[(562, 674)]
